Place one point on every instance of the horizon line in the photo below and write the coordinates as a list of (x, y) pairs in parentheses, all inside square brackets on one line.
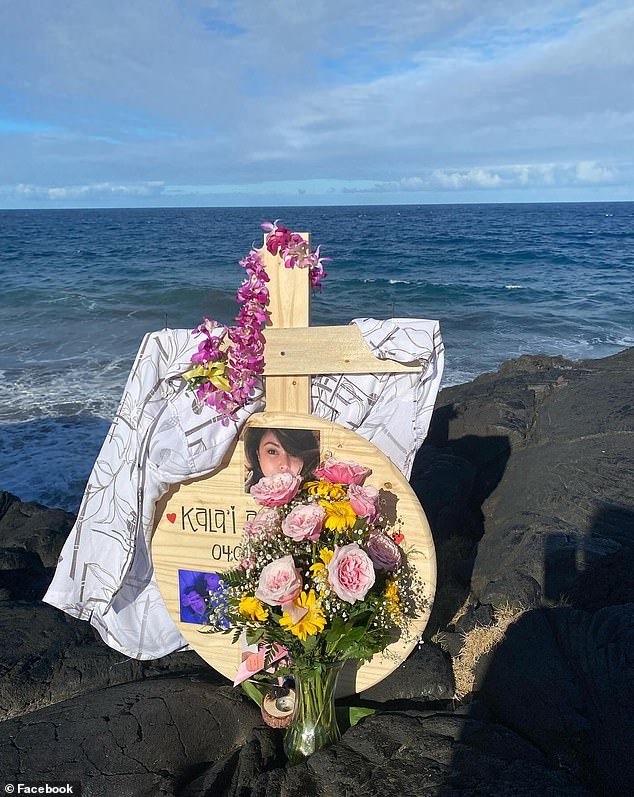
[(343, 205)]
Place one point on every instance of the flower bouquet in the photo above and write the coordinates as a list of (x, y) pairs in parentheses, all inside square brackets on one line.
[(323, 579)]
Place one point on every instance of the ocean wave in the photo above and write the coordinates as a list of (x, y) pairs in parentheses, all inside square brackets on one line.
[(71, 390), (502, 281), (49, 460)]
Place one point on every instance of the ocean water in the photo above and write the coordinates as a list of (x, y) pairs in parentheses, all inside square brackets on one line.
[(80, 288)]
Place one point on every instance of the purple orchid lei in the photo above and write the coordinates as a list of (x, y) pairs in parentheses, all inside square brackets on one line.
[(223, 377), (294, 251)]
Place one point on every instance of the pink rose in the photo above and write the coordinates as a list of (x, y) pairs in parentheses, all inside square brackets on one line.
[(338, 471), (276, 490), (304, 522), (264, 524), (280, 582), (350, 573), (384, 552), (364, 500)]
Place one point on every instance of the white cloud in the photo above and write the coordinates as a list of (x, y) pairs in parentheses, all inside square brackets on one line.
[(510, 176), (591, 172), (93, 191), (472, 178), (458, 95)]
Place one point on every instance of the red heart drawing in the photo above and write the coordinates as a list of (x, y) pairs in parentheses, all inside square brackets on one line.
[(398, 537), (171, 516)]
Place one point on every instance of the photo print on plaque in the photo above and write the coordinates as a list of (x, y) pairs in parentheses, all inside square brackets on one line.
[(271, 451), (195, 590)]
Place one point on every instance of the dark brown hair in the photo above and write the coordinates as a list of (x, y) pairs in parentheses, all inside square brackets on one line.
[(301, 443)]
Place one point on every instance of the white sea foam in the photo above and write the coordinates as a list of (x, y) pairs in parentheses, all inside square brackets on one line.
[(458, 377), (513, 287), (36, 393)]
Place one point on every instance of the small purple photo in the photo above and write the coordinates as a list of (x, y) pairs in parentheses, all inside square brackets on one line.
[(194, 587)]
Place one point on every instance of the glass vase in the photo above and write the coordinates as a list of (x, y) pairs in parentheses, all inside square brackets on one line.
[(314, 722)]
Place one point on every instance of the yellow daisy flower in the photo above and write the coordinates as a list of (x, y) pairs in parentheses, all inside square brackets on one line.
[(313, 622), (318, 570), (325, 489), (252, 608), (392, 599), (340, 516), (326, 555)]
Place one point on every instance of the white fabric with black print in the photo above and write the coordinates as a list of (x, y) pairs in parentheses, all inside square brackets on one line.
[(160, 436)]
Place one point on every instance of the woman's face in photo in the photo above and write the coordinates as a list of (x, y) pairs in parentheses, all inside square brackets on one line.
[(275, 459), (196, 601)]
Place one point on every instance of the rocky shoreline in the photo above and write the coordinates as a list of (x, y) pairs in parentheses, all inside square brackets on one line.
[(527, 478)]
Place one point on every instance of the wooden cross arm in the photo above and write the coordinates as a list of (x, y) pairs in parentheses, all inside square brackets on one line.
[(294, 351), (325, 350)]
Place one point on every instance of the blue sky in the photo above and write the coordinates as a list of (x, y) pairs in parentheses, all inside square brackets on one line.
[(253, 102)]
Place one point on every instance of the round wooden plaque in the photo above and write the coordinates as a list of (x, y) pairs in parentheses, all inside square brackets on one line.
[(199, 530)]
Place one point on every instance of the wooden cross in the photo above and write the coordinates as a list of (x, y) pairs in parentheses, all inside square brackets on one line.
[(199, 522), (295, 350)]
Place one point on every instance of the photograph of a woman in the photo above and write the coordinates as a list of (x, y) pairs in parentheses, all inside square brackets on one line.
[(272, 451), (194, 586)]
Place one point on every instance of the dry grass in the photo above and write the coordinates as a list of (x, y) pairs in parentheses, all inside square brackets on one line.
[(478, 642), (467, 602)]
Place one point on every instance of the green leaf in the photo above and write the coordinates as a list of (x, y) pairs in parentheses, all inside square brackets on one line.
[(357, 713), (254, 635), (280, 672), (355, 633), (252, 691), (310, 643), (349, 716), (337, 626)]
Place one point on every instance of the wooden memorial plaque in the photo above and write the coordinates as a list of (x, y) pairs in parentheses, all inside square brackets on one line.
[(199, 523)]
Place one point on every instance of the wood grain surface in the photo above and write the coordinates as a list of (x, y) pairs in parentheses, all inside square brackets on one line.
[(198, 526)]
